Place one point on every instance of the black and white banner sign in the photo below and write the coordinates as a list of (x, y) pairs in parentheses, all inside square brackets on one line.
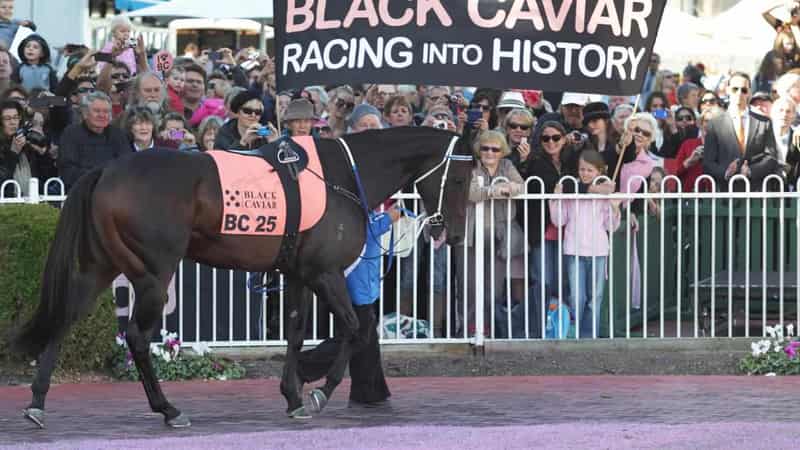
[(599, 46)]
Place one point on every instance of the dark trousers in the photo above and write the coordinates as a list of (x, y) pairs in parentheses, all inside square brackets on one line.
[(366, 372)]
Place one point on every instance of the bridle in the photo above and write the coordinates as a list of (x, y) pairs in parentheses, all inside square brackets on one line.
[(437, 218)]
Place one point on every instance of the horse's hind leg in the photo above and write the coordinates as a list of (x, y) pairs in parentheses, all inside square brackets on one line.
[(331, 287), (291, 384), (87, 288), (151, 296)]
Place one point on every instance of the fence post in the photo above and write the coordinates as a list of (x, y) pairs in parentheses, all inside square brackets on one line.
[(479, 278), (33, 191)]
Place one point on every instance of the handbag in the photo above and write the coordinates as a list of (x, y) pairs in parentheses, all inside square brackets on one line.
[(518, 242)]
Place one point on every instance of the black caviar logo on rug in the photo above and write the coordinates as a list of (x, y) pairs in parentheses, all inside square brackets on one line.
[(251, 200)]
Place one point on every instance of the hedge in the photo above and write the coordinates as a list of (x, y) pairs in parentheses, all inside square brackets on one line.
[(25, 235)]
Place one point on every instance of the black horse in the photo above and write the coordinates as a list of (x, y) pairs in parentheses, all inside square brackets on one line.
[(145, 212)]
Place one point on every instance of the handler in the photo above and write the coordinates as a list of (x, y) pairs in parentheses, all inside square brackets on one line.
[(368, 385)]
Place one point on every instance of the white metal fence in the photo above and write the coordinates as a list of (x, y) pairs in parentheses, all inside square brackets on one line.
[(710, 264)]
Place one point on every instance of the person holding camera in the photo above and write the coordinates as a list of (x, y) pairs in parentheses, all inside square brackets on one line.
[(440, 117), (689, 161), (23, 150), (245, 130), (124, 48), (518, 126)]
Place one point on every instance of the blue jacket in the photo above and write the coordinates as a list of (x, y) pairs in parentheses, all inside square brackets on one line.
[(364, 280)]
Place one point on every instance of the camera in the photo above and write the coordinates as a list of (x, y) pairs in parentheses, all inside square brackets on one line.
[(577, 136), (264, 132), (32, 136), (131, 43), (440, 124), (176, 135)]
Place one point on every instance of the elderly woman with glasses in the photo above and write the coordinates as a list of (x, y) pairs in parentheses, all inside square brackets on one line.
[(245, 131), (518, 126), (501, 181)]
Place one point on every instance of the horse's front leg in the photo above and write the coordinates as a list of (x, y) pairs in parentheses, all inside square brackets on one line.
[(291, 384), (331, 287)]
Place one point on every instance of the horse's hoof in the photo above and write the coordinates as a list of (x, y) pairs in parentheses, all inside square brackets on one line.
[(300, 413), (35, 415), (180, 421), (318, 400)]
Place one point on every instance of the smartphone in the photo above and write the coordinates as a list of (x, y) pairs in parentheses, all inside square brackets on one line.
[(103, 57), (47, 102), (176, 135), (660, 114), (474, 115)]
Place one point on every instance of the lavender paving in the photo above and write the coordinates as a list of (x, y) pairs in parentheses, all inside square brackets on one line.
[(492, 412)]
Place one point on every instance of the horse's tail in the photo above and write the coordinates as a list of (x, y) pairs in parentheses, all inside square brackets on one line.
[(60, 304)]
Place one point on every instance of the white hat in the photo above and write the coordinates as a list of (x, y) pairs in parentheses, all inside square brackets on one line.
[(511, 100), (575, 98)]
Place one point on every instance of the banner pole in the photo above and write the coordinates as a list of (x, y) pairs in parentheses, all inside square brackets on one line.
[(622, 138)]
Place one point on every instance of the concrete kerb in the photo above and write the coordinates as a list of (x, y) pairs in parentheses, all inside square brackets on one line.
[(717, 356)]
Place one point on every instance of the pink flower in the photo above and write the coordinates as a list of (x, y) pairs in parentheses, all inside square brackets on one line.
[(792, 349)]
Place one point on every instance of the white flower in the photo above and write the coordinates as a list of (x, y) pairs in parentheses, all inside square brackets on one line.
[(167, 357), (201, 348), (777, 348), (120, 341), (222, 378), (163, 332), (771, 374), (756, 349), (790, 330), (770, 331)]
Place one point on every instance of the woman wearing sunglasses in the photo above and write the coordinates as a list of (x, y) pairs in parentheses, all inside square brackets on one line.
[(243, 131), (552, 159), (518, 126), (501, 181)]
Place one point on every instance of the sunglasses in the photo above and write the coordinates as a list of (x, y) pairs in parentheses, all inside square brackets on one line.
[(711, 101), (321, 129), (486, 148), (551, 137), (644, 133), (481, 106), (736, 89), (519, 126), (251, 112), (441, 117), (341, 104), (685, 118), (120, 76), (84, 90)]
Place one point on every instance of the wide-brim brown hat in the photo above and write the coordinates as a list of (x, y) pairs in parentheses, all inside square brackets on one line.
[(300, 109)]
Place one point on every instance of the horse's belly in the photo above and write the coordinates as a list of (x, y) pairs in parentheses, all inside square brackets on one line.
[(254, 254)]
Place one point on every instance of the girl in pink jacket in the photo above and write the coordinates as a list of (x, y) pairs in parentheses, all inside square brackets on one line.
[(586, 225)]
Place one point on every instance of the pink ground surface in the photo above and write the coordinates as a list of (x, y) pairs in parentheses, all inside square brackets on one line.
[(562, 436), (553, 412)]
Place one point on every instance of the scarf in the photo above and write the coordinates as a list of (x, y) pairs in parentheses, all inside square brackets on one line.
[(636, 170), (22, 174)]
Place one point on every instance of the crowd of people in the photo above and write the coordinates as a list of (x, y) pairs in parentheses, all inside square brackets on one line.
[(211, 98)]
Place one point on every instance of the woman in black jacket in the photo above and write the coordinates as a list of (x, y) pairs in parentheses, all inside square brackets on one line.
[(20, 158)]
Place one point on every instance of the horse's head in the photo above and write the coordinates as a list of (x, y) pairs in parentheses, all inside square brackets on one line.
[(449, 200)]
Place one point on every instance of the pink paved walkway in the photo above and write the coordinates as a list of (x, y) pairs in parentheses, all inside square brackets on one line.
[(485, 413)]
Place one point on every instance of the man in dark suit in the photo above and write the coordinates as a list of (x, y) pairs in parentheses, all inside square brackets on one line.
[(740, 141)]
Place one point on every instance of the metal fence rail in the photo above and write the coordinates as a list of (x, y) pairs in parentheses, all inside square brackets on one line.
[(706, 264)]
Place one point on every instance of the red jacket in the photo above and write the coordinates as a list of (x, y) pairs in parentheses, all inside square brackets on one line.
[(175, 102), (690, 175)]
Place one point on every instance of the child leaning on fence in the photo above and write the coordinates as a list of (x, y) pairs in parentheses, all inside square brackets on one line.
[(586, 245)]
